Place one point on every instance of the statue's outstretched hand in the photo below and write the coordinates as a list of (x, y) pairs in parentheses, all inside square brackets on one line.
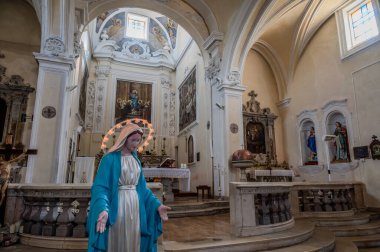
[(163, 211), (102, 220)]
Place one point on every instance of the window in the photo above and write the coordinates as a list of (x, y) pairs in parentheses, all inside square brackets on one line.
[(358, 26), (137, 26)]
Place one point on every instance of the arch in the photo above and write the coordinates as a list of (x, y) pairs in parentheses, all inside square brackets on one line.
[(308, 142), (274, 62), (183, 13), (305, 120), (334, 111), (262, 15)]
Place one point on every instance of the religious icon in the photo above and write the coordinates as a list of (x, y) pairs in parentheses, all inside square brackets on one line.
[(133, 100), (312, 148), (342, 153), (375, 148), (255, 138)]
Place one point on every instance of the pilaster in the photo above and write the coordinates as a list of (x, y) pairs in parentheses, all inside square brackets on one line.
[(226, 102), (102, 72), (49, 131)]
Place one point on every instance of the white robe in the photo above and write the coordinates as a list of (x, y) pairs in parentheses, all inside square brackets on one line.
[(124, 235)]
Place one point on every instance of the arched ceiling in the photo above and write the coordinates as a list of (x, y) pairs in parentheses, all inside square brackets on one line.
[(195, 22), (280, 30), (284, 30)]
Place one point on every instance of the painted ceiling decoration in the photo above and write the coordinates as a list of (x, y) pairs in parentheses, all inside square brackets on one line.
[(162, 32)]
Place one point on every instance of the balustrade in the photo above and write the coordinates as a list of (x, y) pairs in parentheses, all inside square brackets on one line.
[(52, 211), (327, 199), (259, 208)]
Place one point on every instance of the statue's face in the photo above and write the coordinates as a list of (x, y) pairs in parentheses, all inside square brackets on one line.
[(133, 142)]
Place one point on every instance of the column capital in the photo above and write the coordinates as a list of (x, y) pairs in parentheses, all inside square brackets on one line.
[(165, 83), (46, 60), (102, 70), (213, 41)]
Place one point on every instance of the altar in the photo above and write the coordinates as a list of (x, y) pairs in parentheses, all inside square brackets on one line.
[(182, 174)]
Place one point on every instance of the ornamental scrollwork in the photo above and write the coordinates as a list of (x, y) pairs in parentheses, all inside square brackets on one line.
[(54, 45)]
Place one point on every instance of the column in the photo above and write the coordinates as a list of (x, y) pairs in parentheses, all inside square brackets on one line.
[(226, 105), (51, 112)]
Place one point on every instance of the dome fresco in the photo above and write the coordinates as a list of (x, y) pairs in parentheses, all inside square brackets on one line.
[(161, 33)]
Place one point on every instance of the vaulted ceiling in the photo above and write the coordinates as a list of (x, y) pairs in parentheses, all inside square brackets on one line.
[(279, 30)]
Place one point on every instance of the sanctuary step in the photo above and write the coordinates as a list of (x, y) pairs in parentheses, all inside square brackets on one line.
[(189, 206), (301, 232), (356, 233), (320, 241)]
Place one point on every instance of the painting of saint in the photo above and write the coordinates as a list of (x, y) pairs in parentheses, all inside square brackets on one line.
[(255, 136), (187, 100), (133, 100)]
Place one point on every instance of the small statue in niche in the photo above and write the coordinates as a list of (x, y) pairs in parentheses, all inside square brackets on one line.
[(312, 146), (375, 148), (342, 153)]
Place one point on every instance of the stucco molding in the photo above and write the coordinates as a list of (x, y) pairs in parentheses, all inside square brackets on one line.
[(214, 40), (213, 69), (284, 103), (102, 71), (54, 45), (334, 103), (90, 105)]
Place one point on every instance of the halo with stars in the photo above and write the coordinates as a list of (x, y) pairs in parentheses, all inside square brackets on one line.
[(124, 123)]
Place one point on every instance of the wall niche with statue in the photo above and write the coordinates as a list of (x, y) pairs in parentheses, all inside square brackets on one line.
[(259, 137)]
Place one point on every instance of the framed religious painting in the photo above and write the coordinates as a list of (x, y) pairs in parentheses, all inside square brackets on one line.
[(133, 100), (188, 100)]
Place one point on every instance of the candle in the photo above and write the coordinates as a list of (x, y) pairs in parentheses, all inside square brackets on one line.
[(12, 228), (18, 226)]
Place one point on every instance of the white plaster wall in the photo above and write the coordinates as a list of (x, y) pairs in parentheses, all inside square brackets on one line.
[(259, 77), (201, 172), (321, 77), (20, 60), (183, 39), (20, 37)]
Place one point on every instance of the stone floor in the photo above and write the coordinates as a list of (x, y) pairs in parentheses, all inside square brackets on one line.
[(188, 230), (197, 228), (177, 229)]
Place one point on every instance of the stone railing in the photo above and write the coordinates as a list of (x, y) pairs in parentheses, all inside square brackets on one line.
[(56, 211), (259, 208), (327, 199)]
